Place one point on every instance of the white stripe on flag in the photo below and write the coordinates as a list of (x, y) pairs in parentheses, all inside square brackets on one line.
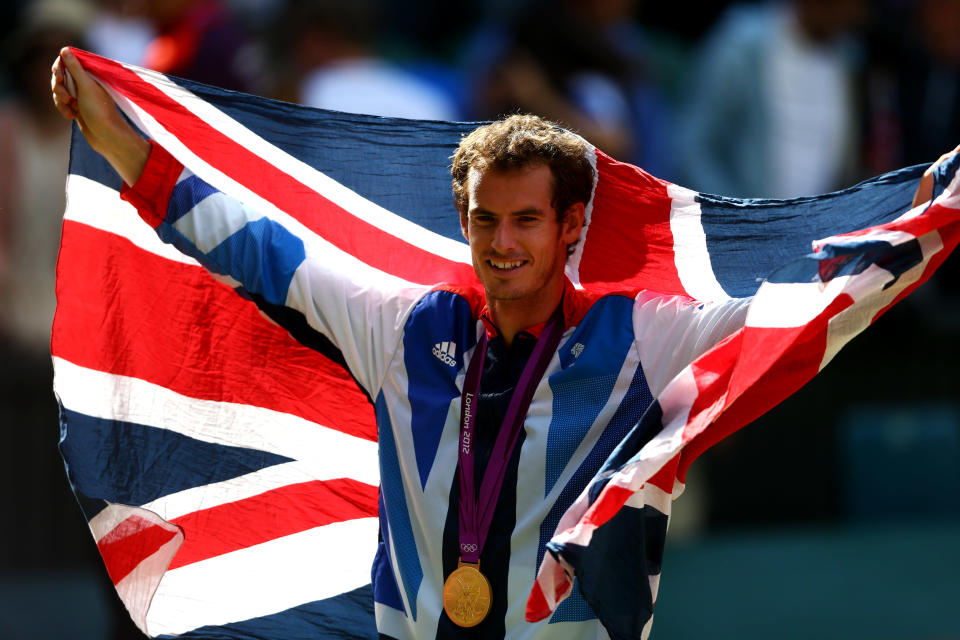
[(248, 485), (690, 247), (322, 452), (794, 304), (96, 205), (653, 496), (304, 567)]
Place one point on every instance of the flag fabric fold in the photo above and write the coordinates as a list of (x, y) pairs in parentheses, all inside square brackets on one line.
[(224, 453)]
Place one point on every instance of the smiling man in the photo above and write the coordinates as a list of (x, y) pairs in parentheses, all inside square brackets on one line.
[(518, 242), (520, 186), (495, 403)]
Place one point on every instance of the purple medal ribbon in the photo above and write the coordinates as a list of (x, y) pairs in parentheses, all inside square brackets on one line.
[(476, 512)]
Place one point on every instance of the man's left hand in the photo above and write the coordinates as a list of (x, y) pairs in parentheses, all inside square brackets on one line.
[(924, 191)]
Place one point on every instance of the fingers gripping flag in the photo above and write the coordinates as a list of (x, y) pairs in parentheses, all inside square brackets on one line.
[(229, 473)]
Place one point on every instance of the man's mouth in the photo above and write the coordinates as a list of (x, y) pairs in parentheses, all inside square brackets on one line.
[(505, 265)]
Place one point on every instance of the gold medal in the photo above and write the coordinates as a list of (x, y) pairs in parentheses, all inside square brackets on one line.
[(466, 595)]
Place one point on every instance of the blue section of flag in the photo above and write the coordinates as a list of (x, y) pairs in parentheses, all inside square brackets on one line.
[(393, 498), (771, 233), (86, 162), (432, 382), (130, 468), (856, 257), (348, 616)]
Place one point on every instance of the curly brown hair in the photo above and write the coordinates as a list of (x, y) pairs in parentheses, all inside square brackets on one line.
[(520, 141)]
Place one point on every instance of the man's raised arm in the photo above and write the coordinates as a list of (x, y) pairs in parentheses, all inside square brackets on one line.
[(79, 97)]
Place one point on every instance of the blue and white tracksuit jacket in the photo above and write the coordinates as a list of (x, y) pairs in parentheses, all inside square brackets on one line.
[(408, 348)]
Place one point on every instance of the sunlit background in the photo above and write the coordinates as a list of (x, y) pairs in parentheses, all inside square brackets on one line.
[(837, 515)]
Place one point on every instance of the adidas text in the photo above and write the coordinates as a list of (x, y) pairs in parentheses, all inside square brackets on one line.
[(446, 352)]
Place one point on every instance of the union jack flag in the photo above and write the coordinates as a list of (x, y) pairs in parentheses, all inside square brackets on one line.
[(229, 473)]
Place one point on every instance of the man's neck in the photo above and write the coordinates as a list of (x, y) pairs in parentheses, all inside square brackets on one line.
[(513, 316)]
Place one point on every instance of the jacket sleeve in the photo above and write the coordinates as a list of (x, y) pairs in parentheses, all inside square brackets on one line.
[(302, 282), (672, 331)]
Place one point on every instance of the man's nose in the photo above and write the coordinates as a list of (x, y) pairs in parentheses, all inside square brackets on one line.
[(504, 237)]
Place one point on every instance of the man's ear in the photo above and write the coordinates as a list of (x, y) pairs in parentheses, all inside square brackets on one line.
[(573, 219), (463, 225)]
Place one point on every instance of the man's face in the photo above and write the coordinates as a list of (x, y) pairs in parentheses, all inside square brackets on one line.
[(519, 248)]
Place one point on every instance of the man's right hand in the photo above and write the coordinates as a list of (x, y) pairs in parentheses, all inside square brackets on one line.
[(96, 114)]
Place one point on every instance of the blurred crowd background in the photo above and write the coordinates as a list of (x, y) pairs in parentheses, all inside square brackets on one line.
[(837, 514)]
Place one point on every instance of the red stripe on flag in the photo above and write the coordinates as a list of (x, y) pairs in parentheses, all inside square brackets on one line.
[(372, 245), (178, 328), (613, 497), (607, 505), (629, 244), (787, 358), (771, 364), (129, 543), (273, 514), (537, 606), (664, 478)]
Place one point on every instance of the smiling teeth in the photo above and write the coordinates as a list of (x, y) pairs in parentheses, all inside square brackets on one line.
[(506, 265)]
